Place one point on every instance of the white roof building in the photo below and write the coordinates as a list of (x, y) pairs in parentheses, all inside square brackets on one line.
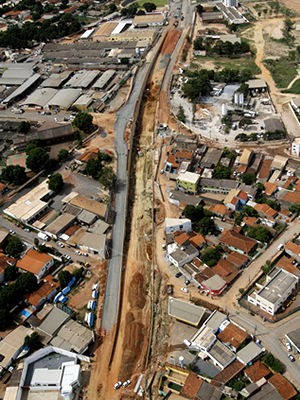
[(178, 224), (190, 177)]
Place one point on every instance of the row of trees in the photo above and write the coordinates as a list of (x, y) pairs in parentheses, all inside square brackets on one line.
[(98, 169), (134, 9), (199, 83), (201, 218), (221, 48), (35, 32), (11, 294)]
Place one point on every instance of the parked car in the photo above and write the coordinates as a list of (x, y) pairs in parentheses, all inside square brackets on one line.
[(117, 385), (178, 275), (292, 358), (288, 346), (127, 383), (184, 289)]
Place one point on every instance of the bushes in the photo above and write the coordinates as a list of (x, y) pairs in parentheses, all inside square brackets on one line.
[(273, 363)]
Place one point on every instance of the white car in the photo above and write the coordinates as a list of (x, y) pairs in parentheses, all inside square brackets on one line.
[(117, 385), (12, 232), (127, 383), (60, 244), (288, 346), (184, 289), (78, 252)]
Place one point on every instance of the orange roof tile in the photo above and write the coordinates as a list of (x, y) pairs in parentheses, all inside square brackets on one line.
[(182, 238), (233, 334), (257, 371), (225, 270), (42, 292), (250, 221), (265, 169), (285, 389), (220, 209), (187, 155), (172, 160), (235, 239), (228, 373), (293, 248), (89, 154), (287, 264), (33, 261), (270, 188), (2, 186), (191, 386), (292, 197), (237, 259), (266, 210), (197, 240), (242, 195)]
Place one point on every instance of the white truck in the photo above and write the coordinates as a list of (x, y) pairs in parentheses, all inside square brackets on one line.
[(43, 236)]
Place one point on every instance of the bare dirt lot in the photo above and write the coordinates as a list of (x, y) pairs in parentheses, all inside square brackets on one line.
[(292, 4)]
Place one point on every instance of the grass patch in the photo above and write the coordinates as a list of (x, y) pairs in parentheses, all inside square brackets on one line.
[(231, 63), (283, 71), (158, 3), (295, 89)]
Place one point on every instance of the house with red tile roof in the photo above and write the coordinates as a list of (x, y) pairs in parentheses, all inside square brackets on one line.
[(226, 270), (270, 188), (196, 388), (219, 209), (267, 213), (36, 263), (238, 259), (257, 371), (283, 386), (293, 249), (46, 291), (238, 242), (233, 336)]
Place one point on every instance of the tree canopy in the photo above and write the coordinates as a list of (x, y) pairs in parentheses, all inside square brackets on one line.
[(221, 172), (149, 7), (83, 121), (13, 174), (37, 158), (211, 255), (14, 246), (260, 233), (248, 178), (63, 155), (201, 218), (55, 182), (64, 278)]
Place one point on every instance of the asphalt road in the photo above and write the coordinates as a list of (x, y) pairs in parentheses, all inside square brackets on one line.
[(124, 115), (112, 294)]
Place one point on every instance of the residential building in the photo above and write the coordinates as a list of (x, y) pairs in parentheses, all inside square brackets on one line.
[(279, 285), (181, 257), (35, 262), (295, 147), (249, 353), (246, 157), (211, 158), (279, 162), (197, 388), (220, 355), (222, 186), (236, 199), (237, 259), (214, 285), (233, 336), (46, 291), (267, 214), (188, 181), (238, 242), (177, 225), (257, 371), (293, 249), (283, 386), (12, 345), (185, 312)]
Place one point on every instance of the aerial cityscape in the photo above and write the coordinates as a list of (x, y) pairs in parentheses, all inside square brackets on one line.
[(149, 199)]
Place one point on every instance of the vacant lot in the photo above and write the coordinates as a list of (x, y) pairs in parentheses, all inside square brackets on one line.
[(295, 88), (283, 71), (158, 3), (224, 62)]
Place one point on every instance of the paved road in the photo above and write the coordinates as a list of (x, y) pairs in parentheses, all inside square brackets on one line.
[(124, 115), (272, 337)]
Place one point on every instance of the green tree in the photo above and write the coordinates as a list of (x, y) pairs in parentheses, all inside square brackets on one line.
[(211, 255), (181, 114), (32, 341), (5, 318), (24, 127), (13, 174), (83, 121), (64, 278), (295, 208), (248, 178), (63, 155), (37, 158), (221, 172), (149, 7), (55, 182), (26, 283), (260, 233), (93, 168), (273, 363), (107, 177), (14, 246), (10, 273)]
